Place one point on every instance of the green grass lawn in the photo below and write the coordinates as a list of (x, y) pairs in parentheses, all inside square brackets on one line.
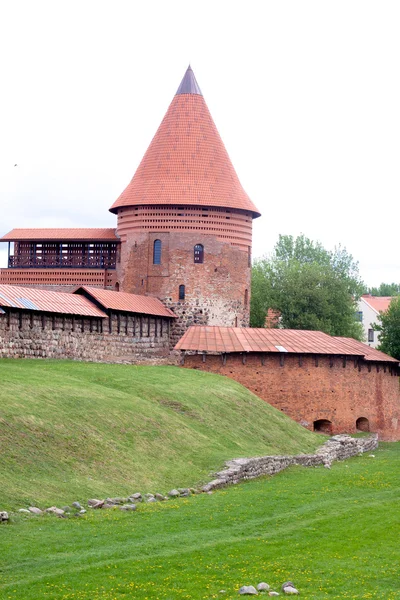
[(334, 533), (70, 431)]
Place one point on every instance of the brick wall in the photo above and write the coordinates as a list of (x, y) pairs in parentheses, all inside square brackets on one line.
[(120, 338), (215, 291), (309, 389)]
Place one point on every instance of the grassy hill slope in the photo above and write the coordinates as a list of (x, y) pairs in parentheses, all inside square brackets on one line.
[(72, 430), (333, 532)]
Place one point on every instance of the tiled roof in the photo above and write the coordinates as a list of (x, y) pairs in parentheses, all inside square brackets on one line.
[(47, 301), (74, 234), (246, 339), (122, 301), (378, 303), (186, 162)]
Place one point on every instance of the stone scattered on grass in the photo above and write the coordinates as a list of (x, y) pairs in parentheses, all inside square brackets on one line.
[(55, 511), (25, 511), (117, 500), (127, 507), (4, 516), (263, 587), (93, 501), (35, 510), (174, 494), (289, 588), (248, 590), (159, 497), (137, 497), (76, 505), (273, 593)]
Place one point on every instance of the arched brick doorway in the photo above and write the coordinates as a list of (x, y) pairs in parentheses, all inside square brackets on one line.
[(362, 424), (323, 426)]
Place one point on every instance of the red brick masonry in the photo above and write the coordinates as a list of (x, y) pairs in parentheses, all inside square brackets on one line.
[(317, 388)]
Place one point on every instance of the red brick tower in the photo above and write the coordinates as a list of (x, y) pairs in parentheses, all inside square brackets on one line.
[(185, 222)]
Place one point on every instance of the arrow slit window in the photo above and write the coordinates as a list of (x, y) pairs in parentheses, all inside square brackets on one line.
[(157, 252)]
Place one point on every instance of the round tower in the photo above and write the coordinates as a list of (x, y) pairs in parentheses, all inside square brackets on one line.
[(185, 222)]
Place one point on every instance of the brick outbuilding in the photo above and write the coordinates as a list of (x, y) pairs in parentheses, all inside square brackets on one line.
[(325, 383)]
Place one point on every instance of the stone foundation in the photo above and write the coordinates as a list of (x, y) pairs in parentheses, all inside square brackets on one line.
[(340, 447)]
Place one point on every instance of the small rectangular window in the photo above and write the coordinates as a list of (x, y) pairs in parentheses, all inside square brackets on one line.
[(370, 335), (199, 253), (359, 316)]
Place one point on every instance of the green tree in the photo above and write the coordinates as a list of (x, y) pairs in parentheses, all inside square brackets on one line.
[(385, 289), (389, 328), (311, 287)]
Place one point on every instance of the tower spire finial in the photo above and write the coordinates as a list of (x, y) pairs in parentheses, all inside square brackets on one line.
[(189, 84)]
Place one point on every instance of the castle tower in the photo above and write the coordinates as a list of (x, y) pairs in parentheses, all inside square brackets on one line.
[(185, 222)]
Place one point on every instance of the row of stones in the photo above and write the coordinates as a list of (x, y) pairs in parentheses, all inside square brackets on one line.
[(249, 590), (127, 504)]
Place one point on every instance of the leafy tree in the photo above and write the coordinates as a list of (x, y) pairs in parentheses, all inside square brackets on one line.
[(311, 287), (389, 328), (385, 289)]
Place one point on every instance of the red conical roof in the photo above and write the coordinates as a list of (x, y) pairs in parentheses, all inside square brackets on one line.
[(186, 162)]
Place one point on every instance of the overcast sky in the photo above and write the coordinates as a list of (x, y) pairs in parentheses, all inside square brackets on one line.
[(305, 95)]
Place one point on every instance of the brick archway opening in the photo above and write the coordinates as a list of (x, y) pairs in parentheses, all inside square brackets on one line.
[(362, 424), (323, 426)]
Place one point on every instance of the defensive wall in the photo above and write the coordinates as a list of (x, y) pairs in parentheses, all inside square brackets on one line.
[(330, 394), (327, 384), (117, 338)]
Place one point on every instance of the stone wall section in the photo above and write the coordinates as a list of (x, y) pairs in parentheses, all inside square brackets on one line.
[(310, 388), (122, 337), (339, 447)]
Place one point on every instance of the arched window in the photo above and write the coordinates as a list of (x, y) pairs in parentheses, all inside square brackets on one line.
[(117, 287), (199, 253), (157, 252), (181, 292), (246, 298)]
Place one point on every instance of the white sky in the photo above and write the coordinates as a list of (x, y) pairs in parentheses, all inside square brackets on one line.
[(305, 94)]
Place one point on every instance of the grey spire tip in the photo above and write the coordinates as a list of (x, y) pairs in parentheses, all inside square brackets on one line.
[(189, 84)]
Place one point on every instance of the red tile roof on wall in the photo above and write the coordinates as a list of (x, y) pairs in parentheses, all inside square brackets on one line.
[(235, 339), (47, 301), (124, 302), (378, 303), (186, 162), (72, 234)]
